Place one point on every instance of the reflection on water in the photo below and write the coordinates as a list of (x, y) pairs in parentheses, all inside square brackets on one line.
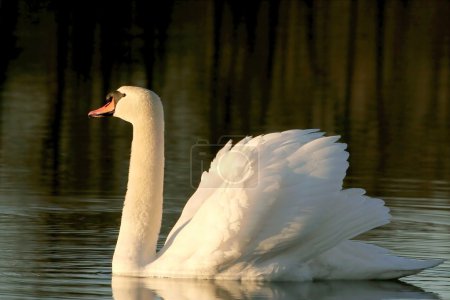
[(375, 72), (140, 289)]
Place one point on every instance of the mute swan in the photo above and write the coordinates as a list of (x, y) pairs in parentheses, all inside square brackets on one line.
[(269, 208)]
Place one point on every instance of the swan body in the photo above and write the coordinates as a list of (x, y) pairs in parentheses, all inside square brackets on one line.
[(270, 207)]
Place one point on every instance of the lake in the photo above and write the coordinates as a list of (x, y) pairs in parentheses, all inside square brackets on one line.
[(377, 73)]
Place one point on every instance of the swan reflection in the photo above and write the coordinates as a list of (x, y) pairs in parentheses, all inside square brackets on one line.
[(126, 288)]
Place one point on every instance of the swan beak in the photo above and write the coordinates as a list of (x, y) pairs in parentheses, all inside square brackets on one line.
[(104, 111)]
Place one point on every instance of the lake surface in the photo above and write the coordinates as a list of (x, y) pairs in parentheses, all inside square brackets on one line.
[(376, 73)]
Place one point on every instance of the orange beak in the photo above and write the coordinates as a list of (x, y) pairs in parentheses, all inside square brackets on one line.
[(104, 111)]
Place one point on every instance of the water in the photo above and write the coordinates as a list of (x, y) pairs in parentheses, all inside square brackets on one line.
[(376, 73)]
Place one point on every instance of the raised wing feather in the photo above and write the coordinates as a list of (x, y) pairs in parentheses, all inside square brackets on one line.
[(266, 206), (213, 179)]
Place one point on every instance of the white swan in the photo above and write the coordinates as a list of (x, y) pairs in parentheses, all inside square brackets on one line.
[(270, 208)]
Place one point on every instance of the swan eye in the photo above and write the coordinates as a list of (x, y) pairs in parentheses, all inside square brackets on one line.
[(114, 96), (109, 97)]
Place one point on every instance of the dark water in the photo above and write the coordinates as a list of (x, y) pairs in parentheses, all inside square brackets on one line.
[(377, 73)]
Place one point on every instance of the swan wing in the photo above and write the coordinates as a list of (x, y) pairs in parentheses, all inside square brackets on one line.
[(214, 179), (267, 205)]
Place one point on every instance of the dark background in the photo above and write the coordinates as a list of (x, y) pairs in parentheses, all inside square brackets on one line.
[(375, 72)]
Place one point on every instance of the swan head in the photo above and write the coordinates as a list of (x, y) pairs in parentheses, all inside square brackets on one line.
[(130, 103)]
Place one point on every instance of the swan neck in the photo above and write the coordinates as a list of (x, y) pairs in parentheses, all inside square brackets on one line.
[(142, 211)]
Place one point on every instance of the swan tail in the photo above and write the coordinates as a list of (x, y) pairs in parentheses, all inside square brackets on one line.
[(359, 260)]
